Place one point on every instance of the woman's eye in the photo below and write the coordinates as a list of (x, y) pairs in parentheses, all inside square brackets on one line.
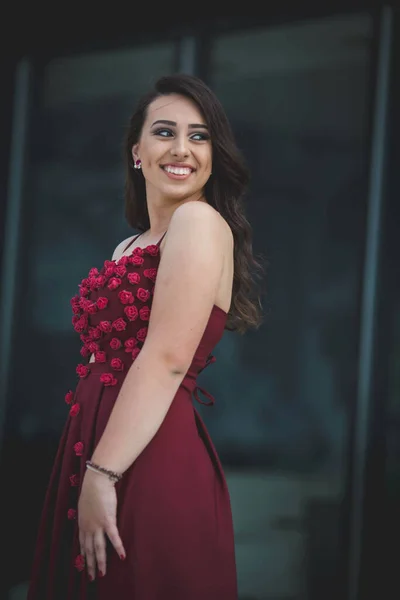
[(163, 132), (200, 137)]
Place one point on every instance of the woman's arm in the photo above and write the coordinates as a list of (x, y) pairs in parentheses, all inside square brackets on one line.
[(186, 286)]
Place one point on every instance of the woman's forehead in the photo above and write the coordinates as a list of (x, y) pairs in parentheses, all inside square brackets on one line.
[(174, 108)]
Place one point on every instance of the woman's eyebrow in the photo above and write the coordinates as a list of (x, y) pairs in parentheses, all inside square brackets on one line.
[(174, 124)]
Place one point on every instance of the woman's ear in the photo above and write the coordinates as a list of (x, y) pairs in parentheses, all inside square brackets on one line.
[(135, 152)]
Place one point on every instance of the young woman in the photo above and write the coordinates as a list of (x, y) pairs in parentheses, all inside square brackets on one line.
[(137, 506)]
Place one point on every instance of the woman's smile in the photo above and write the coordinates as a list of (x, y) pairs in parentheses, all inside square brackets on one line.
[(178, 171)]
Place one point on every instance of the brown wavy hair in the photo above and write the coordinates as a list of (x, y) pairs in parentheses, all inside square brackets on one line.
[(224, 190)]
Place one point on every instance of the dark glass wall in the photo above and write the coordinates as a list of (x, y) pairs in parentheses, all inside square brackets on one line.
[(298, 94)]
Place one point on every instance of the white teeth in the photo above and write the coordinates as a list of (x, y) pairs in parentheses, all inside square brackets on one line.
[(178, 170)]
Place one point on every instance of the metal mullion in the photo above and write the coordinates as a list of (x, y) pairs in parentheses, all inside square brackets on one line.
[(369, 300), (12, 226)]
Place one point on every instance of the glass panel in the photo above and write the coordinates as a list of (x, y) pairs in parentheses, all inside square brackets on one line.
[(75, 200), (383, 559), (297, 98), (74, 218)]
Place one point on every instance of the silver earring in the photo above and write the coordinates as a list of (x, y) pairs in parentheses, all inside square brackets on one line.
[(138, 164)]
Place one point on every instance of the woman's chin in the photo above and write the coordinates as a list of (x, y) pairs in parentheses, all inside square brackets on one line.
[(178, 192)]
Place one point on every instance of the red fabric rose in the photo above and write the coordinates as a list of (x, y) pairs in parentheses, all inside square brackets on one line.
[(150, 274), (84, 352), (92, 347), (135, 353), (69, 396), (133, 278), (144, 313), (143, 294), (92, 308), (82, 370), (126, 297), (141, 334), (93, 272), (123, 260), (109, 263), (71, 514), (137, 260), (74, 480), (76, 309), (75, 320), (109, 271), (84, 291), (93, 283), (117, 364), (94, 332), (152, 249), (137, 251), (108, 379), (115, 343), (131, 312), (120, 270), (100, 281), (80, 562), (130, 344), (85, 338), (81, 324), (114, 283), (119, 324), (75, 408), (102, 303), (85, 282), (75, 300), (100, 356), (84, 303), (78, 448), (105, 326)]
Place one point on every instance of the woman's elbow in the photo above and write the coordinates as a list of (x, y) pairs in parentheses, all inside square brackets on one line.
[(174, 361)]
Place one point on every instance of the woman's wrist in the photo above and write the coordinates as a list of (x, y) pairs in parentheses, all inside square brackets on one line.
[(113, 476)]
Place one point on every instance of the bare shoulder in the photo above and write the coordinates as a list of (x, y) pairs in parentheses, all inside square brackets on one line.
[(202, 221), (121, 247)]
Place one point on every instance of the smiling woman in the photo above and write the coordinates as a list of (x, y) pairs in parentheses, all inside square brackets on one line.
[(190, 120), (176, 147), (138, 505)]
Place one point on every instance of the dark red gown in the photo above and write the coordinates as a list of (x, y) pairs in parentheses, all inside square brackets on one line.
[(174, 513)]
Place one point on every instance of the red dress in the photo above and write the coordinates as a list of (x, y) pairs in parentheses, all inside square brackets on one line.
[(174, 513)]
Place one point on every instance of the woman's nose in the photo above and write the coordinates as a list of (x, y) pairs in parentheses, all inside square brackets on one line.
[(180, 146)]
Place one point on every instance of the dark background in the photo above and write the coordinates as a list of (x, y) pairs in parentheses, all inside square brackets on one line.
[(308, 409)]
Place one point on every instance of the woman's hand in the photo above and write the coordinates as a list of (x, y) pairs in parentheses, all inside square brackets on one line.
[(97, 518)]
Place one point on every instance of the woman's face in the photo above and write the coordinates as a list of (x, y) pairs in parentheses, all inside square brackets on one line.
[(175, 149)]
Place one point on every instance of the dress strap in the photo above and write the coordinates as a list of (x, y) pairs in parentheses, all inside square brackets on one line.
[(132, 240), (211, 359), (161, 239)]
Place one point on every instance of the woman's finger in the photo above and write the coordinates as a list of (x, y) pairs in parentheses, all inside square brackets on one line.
[(113, 535), (82, 542), (100, 551), (90, 555)]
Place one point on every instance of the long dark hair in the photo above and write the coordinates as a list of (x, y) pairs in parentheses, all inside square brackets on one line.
[(224, 190)]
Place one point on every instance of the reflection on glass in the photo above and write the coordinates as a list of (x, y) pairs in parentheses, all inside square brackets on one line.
[(74, 209), (296, 96)]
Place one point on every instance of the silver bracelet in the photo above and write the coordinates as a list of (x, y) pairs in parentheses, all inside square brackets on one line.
[(112, 475)]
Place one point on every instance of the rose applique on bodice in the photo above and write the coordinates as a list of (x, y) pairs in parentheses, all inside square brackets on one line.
[(112, 310)]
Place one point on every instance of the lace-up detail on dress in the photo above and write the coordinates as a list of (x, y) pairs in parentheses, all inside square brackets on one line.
[(210, 359)]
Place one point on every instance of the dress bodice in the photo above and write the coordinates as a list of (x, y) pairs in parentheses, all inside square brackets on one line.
[(112, 311)]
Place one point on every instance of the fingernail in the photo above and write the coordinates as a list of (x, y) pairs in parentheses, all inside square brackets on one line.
[(122, 556), (101, 574)]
